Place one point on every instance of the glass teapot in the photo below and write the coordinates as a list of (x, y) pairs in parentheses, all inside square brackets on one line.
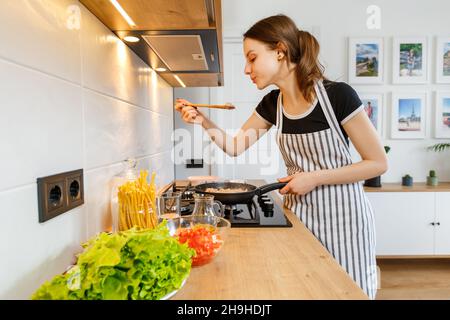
[(204, 205)]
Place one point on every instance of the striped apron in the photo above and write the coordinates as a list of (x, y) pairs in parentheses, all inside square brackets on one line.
[(339, 216)]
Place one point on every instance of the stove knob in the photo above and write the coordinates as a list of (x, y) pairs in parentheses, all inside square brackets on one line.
[(267, 206), (268, 214), (262, 199)]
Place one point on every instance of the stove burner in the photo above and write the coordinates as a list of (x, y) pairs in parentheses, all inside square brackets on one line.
[(262, 211), (185, 207)]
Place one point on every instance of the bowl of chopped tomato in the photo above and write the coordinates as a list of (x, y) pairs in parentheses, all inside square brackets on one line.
[(205, 234)]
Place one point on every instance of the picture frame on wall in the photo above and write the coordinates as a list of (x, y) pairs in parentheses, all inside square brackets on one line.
[(366, 61), (443, 60), (408, 115), (442, 115), (410, 60), (373, 105)]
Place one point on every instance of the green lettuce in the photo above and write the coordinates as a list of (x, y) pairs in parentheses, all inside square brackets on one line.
[(127, 265)]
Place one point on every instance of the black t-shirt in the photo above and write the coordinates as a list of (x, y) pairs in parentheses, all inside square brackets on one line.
[(344, 101)]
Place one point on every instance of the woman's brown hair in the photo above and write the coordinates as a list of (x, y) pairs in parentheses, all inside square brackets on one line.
[(302, 48)]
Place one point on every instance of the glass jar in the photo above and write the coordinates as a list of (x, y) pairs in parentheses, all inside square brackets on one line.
[(168, 205), (129, 173)]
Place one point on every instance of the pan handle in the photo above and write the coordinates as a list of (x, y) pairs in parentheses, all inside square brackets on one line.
[(269, 187)]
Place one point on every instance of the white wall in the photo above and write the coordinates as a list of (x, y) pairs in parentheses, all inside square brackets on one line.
[(191, 148), (69, 99), (333, 22)]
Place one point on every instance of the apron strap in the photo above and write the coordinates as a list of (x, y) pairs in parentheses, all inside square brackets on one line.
[(279, 124), (329, 112)]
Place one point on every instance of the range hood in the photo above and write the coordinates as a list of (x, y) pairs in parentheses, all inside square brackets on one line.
[(180, 39)]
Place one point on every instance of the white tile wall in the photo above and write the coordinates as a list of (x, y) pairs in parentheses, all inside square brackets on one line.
[(161, 95), (116, 130), (109, 66), (97, 197), (159, 163), (69, 99), (33, 252), (40, 125), (35, 34)]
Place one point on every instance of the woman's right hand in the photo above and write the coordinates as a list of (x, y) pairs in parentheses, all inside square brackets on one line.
[(189, 114)]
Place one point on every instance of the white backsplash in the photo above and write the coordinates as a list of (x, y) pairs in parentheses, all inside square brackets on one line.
[(70, 99)]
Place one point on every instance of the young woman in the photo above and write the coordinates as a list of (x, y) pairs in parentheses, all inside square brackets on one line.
[(314, 118)]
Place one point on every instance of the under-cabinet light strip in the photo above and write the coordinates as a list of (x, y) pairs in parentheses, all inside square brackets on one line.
[(179, 81), (123, 13)]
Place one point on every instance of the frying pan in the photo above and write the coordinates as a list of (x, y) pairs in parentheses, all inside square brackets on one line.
[(237, 197)]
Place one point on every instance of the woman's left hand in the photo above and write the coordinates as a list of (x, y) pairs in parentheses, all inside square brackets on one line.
[(299, 183)]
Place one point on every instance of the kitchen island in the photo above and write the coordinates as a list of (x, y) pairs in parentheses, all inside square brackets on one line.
[(271, 263)]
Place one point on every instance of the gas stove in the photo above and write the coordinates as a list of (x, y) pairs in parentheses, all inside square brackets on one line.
[(261, 212)]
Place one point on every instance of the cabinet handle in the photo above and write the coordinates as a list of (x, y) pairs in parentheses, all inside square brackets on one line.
[(432, 223), (438, 223)]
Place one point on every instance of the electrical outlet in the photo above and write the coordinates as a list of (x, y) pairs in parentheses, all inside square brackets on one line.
[(59, 193), (75, 189)]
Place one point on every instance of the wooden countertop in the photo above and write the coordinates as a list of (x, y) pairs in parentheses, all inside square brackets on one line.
[(271, 263), (417, 187)]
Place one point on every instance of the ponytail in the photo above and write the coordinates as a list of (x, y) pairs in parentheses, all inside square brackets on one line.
[(309, 69)]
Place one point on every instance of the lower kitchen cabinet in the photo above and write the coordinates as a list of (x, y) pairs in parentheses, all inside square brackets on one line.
[(411, 223), (442, 235)]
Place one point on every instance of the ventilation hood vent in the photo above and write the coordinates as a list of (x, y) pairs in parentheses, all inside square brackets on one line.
[(193, 51), (167, 48)]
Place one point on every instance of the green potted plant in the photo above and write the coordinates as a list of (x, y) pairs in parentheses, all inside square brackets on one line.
[(432, 180), (407, 180), (376, 181), (438, 147)]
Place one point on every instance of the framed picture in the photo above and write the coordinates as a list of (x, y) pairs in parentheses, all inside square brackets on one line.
[(443, 60), (365, 60), (442, 118), (373, 105), (408, 115), (410, 60)]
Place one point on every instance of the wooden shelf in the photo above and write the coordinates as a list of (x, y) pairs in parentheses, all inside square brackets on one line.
[(417, 187)]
